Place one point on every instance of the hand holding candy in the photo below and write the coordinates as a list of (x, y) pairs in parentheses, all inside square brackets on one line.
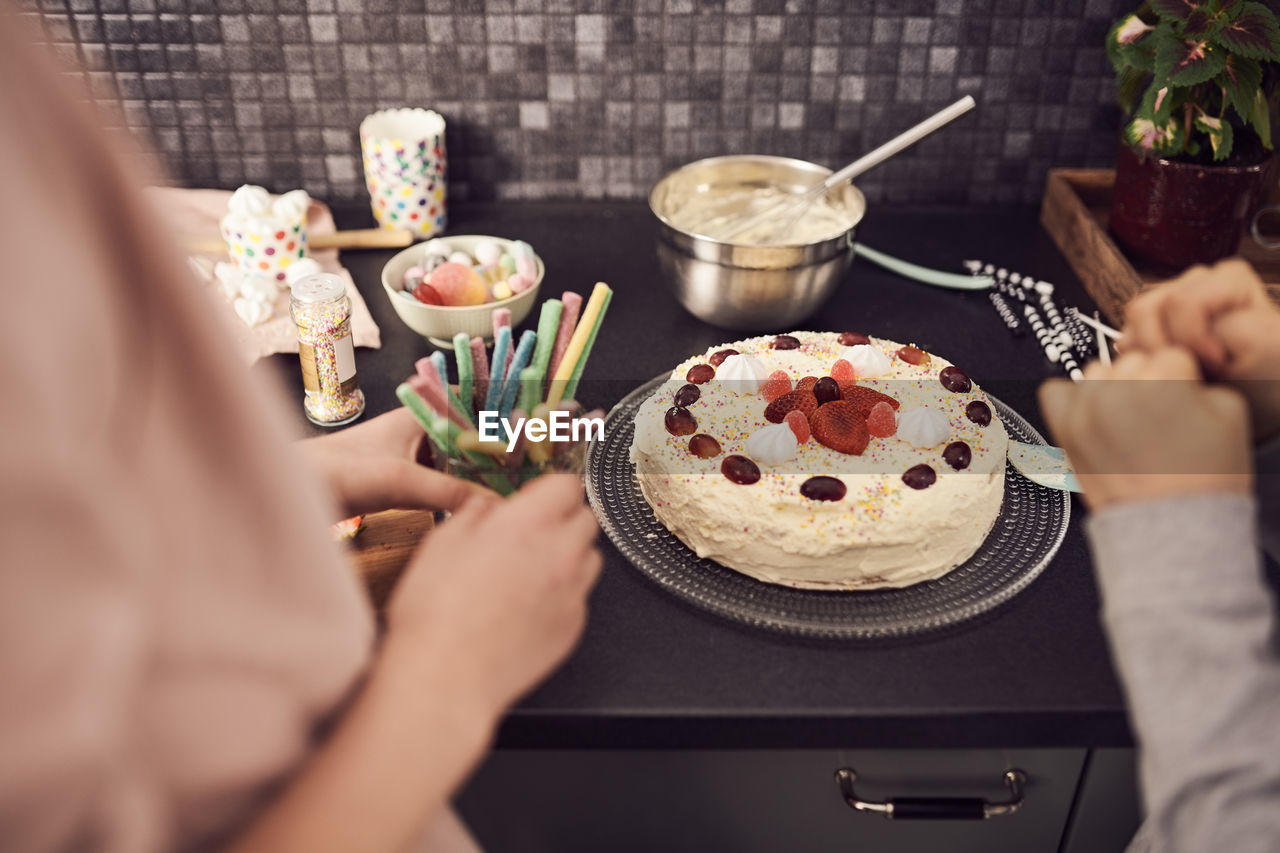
[(371, 467), (502, 588)]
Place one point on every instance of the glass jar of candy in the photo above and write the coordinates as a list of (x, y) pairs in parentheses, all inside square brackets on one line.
[(321, 312)]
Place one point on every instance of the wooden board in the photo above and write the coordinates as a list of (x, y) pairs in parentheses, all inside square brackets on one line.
[(1076, 206), (383, 548)]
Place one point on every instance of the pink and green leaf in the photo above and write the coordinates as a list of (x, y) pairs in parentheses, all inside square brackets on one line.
[(1131, 29), (1145, 135), (1240, 79), (1158, 102), (1186, 62), (1129, 44), (1254, 33)]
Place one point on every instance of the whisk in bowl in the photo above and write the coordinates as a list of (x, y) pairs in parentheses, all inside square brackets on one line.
[(787, 212)]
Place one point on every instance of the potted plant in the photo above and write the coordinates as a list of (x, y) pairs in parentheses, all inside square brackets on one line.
[(1199, 83)]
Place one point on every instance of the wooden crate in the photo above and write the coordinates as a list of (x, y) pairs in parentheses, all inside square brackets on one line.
[(1076, 205)]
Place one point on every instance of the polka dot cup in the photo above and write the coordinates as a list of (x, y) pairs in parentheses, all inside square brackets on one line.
[(264, 246), (404, 169), (418, 206)]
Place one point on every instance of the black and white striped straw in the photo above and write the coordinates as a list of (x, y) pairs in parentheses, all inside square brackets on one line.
[(1049, 307), (1081, 335), (1008, 284), (1040, 311), (1052, 350), (1011, 321)]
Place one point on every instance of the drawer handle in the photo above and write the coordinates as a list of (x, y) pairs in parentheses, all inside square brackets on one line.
[(934, 808)]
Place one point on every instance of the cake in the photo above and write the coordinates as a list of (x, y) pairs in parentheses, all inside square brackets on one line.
[(823, 460)]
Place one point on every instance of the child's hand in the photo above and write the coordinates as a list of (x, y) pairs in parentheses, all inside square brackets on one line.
[(498, 592), (1161, 434), (371, 466), (1222, 315)]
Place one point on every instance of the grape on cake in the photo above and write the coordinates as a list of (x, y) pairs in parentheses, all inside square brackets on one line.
[(823, 461)]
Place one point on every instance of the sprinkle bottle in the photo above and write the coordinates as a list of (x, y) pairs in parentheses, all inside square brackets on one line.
[(321, 312)]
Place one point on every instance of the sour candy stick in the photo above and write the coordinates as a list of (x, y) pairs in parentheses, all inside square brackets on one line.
[(548, 325), (480, 362), (470, 440), (568, 318), (501, 318), (418, 384), (456, 405), (443, 431), (441, 365), (516, 457), (436, 426), (565, 384), (571, 389), (466, 371), (428, 386), (530, 387), (541, 451), (498, 367), (501, 347), (426, 367), (511, 384)]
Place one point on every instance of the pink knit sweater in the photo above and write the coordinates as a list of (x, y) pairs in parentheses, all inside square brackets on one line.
[(176, 626)]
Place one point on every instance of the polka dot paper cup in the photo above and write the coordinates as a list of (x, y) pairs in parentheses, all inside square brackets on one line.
[(404, 160), (418, 206), (265, 246)]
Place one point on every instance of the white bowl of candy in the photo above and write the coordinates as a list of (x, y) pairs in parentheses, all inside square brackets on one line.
[(454, 284)]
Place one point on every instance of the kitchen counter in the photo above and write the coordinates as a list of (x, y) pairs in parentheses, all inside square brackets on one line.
[(653, 672)]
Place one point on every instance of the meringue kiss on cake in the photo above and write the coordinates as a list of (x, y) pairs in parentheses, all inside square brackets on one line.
[(823, 460)]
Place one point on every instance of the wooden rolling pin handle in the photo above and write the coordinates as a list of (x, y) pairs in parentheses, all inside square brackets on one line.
[(362, 238)]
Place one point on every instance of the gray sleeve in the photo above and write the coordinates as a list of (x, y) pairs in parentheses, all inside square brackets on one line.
[(1190, 621), (1267, 470)]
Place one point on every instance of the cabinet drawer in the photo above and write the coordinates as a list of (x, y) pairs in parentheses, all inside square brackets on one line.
[(746, 801)]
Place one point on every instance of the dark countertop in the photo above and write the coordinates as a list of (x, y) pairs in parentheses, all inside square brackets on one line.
[(653, 672)]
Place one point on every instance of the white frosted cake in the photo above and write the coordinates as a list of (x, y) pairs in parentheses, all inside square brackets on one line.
[(823, 460)]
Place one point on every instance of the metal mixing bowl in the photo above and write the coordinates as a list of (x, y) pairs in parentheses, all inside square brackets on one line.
[(750, 287)]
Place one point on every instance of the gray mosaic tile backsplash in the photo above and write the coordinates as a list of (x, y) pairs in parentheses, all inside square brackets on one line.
[(598, 98)]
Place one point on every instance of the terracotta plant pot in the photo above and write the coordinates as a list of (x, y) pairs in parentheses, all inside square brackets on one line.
[(1173, 215)]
